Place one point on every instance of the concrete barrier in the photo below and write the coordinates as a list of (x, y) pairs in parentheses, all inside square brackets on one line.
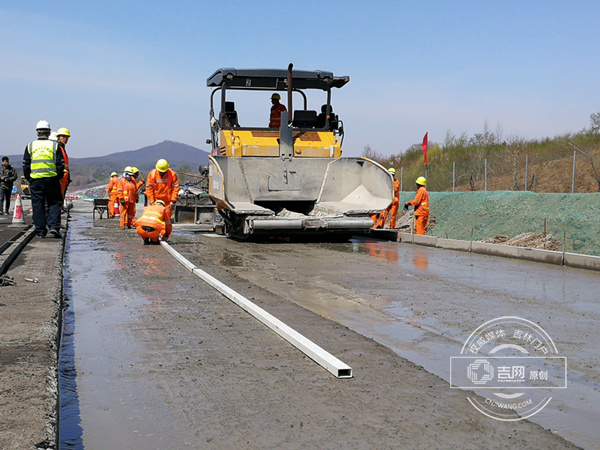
[(582, 261), (540, 255), (454, 244), (506, 251), (485, 248), (429, 241), (405, 237)]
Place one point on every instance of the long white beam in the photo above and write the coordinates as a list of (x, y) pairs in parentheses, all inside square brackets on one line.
[(309, 348)]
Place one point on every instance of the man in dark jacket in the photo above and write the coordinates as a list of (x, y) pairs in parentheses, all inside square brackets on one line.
[(44, 166), (8, 175)]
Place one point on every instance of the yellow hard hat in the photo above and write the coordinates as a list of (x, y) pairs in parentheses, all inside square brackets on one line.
[(127, 169), (134, 170), (392, 170), (63, 132), (114, 174), (421, 181), (162, 165), (160, 201), (276, 96)]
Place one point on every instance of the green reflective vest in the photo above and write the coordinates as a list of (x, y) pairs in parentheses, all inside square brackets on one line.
[(43, 158)]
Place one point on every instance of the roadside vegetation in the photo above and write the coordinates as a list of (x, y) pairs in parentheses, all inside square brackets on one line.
[(513, 163)]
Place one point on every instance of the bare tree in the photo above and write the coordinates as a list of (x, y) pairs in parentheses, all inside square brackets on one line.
[(368, 152), (595, 119)]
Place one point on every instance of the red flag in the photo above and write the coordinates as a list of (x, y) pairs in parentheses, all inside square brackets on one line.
[(424, 146)]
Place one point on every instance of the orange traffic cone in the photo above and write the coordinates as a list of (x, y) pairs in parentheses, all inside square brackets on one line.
[(18, 213)]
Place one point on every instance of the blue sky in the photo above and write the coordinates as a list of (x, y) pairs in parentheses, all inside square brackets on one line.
[(123, 75)]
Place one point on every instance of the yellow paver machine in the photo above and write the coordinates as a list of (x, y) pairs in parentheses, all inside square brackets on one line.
[(292, 179)]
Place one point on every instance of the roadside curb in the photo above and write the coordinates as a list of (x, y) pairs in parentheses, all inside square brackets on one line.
[(559, 258)]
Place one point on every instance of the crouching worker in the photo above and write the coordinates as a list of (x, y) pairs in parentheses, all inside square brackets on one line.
[(151, 225)]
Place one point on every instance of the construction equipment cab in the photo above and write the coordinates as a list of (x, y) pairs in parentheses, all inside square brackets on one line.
[(290, 179)]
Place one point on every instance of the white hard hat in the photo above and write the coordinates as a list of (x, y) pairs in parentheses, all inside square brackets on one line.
[(42, 125)]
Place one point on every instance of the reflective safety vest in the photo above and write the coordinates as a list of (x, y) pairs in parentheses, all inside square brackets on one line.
[(159, 188), (43, 158), (275, 118), (126, 190), (421, 202), (153, 216)]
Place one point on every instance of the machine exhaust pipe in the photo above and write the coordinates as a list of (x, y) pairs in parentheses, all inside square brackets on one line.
[(289, 91)]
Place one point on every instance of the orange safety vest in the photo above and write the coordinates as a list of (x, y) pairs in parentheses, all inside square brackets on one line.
[(153, 216), (159, 188), (111, 187), (126, 190), (275, 119), (67, 174), (396, 189), (421, 202)]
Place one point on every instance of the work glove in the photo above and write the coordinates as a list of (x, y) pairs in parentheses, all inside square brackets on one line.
[(122, 202)]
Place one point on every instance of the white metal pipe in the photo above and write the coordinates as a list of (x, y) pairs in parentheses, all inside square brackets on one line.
[(309, 348)]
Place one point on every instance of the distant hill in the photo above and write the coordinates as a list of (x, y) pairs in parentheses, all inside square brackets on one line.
[(87, 172), (145, 158)]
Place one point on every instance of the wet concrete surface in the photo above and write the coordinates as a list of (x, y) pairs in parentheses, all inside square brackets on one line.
[(162, 361), (423, 303)]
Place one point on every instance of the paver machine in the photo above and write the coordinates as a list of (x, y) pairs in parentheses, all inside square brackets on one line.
[(292, 179)]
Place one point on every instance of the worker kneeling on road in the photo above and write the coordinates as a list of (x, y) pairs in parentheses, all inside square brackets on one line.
[(162, 184), (151, 225), (421, 204)]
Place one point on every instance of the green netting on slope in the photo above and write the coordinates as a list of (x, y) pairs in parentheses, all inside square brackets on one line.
[(509, 213)]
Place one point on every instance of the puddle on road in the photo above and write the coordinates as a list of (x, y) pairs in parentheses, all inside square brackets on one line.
[(102, 403)]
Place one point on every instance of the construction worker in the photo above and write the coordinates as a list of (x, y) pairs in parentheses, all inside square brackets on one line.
[(8, 175), (151, 225), (111, 192), (43, 167), (126, 194), (393, 206), (276, 110), (162, 184), (63, 135), (421, 204), (139, 182)]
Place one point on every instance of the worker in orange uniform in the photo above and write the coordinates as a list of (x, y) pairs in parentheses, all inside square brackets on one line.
[(162, 184), (151, 225), (126, 194), (63, 135), (421, 204), (393, 206), (139, 182), (111, 192), (276, 110)]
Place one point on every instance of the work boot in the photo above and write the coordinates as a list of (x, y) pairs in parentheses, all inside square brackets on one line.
[(55, 234), (147, 241)]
